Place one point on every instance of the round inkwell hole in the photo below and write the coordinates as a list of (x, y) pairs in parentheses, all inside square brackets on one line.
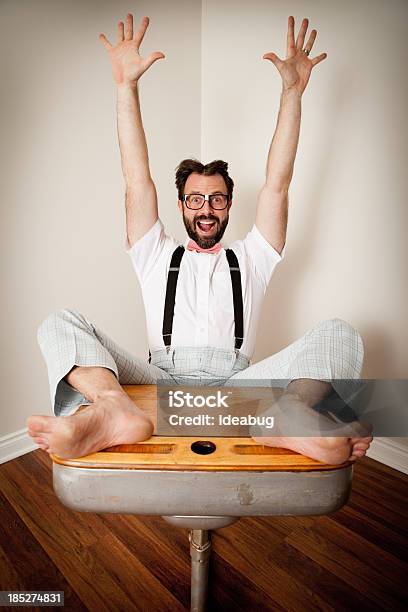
[(203, 447)]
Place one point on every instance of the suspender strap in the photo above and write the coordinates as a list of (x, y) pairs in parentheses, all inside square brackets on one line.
[(237, 295), (169, 302), (170, 299)]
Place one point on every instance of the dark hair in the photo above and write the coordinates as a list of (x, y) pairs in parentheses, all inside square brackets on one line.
[(187, 166)]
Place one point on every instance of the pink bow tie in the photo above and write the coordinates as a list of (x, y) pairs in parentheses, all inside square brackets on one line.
[(193, 246)]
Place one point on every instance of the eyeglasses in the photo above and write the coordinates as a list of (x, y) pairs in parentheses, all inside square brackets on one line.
[(195, 201)]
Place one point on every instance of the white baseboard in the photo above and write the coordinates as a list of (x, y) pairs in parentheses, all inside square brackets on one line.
[(390, 451), (385, 450), (15, 444)]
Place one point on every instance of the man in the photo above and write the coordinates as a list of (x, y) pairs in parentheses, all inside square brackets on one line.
[(202, 324)]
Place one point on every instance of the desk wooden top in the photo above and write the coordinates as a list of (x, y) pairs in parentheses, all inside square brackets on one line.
[(175, 453)]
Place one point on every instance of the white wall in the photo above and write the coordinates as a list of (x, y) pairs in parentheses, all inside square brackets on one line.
[(62, 191), (346, 244), (346, 247)]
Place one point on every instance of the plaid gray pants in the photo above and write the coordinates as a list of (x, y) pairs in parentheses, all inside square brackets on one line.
[(332, 349)]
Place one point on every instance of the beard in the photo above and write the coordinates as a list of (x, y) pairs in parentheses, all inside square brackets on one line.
[(205, 242)]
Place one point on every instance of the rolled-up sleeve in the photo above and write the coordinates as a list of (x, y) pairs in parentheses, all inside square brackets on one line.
[(262, 255), (146, 251)]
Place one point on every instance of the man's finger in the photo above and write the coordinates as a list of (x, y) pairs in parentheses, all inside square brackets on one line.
[(273, 58), (291, 36), (319, 58), (310, 42), (302, 33), (121, 32), (105, 42), (153, 57), (141, 31), (129, 27)]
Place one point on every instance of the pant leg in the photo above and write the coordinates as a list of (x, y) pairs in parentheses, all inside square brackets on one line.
[(331, 351), (66, 338)]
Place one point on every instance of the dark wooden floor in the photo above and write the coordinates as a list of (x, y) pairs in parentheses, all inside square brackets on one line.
[(355, 558)]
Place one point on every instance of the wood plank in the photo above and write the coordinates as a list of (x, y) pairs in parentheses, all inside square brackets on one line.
[(175, 537), (370, 581), (10, 578), (174, 453), (66, 537), (146, 537), (372, 468), (150, 546), (369, 501), (24, 564), (391, 490), (283, 525), (363, 550), (245, 594), (335, 593), (28, 479), (249, 554), (386, 536), (139, 589)]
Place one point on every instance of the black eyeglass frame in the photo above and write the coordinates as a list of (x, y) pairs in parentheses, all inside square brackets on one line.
[(207, 198)]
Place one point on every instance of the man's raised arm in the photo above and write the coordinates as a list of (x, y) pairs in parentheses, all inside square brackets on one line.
[(272, 208), (128, 66)]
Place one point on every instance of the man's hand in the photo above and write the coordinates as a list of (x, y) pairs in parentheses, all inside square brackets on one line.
[(296, 68), (127, 64)]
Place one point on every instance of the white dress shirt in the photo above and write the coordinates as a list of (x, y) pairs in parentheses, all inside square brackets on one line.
[(204, 308)]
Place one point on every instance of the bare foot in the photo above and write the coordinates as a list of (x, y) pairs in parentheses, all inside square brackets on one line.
[(359, 447), (110, 420), (340, 442), (328, 450)]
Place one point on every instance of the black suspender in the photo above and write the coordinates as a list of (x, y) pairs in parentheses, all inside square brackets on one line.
[(171, 288), (237, 296), (172, 279)]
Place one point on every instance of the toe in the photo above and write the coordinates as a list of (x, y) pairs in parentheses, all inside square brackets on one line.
[(358, 453), (39, 423), (360, 446), (34, 425), (41, 442)]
